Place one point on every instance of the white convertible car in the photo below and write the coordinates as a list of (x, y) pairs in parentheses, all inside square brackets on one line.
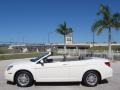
[(90, 71)]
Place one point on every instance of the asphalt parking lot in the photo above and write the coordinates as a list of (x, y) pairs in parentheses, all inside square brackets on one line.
[(110, 84)]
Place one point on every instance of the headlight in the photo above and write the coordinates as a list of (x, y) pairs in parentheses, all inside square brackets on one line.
[(9, 67)]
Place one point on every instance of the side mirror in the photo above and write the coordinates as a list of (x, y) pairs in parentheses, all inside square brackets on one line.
[(42, 62)]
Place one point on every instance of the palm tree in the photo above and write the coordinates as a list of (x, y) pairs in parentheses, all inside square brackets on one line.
[(107, 22), (64, 30)]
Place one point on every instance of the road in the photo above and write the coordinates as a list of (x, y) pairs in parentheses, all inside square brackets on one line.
[(110, 84)]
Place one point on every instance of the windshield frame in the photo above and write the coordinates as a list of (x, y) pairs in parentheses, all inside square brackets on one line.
[(42, 55)]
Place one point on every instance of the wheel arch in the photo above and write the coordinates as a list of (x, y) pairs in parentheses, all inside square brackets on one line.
[(23, 70), (94, 71)]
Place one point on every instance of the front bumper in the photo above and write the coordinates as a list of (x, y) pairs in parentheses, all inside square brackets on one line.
[(9, 76)]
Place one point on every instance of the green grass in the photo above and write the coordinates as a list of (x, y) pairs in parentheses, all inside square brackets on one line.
[(102, 48), (21, 55), (18, 56), (5, 50)]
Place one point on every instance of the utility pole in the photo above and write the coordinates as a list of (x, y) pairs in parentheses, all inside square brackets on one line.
[(93, 38), (49, 37), (93, 43)]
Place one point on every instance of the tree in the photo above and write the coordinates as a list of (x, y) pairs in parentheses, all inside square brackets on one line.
[(107, 21), (64, 30)]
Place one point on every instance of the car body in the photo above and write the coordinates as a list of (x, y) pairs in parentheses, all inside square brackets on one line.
[(44, 69)]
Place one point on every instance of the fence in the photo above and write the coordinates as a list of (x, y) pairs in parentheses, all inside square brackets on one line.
[(95, 53)]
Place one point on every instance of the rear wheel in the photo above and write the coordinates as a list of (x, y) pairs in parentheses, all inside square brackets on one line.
[(91, 78), (24, 79)]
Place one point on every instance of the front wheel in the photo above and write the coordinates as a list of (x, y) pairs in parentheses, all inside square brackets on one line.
[(91, 78), (24, 79)]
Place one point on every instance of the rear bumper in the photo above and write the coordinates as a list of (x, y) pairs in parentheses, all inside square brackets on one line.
[(107, 73)]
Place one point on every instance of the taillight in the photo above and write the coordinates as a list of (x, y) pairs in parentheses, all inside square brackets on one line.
[(108, 64)]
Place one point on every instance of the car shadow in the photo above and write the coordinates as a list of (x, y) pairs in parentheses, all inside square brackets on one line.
[(105, 81), (57, 83), (10, 83)]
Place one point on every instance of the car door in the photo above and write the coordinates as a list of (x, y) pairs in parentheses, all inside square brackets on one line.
[(52, 72), (77, 69)]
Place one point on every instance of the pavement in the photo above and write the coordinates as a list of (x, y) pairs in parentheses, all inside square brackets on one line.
[(109, 84)]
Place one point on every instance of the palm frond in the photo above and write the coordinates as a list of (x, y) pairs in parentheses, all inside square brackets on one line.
[(60, 31), (65, 24), (63, 29), (105, 11), (116, 20), (98, 24), (100, 30), (116, 25), (70, 30), (116, 17)]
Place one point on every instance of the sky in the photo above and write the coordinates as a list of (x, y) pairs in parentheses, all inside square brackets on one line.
[(31, 21)]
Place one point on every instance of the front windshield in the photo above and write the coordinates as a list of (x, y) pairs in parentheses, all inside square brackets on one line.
[(37, 58)]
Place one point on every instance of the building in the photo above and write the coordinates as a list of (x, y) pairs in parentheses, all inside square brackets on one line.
[(69, 39)]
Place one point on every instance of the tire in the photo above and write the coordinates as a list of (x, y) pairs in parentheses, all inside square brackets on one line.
[(91, 78), (24, 79)]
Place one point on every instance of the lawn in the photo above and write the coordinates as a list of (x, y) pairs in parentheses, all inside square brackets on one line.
[(18, 56)]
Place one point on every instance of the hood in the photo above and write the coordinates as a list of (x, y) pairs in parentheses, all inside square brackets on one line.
[(26, 62)]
